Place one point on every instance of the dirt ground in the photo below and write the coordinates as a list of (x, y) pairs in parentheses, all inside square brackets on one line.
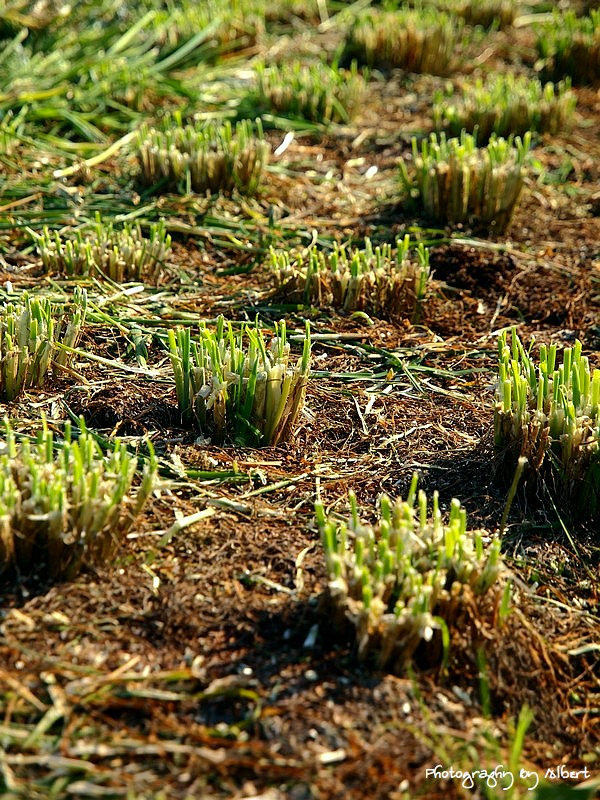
[(205, 666)]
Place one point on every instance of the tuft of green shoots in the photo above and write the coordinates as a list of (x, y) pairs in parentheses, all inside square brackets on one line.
[(30, 330), (549, 413), (240, 23), (422, 40), (505, 105), (407, 576), (65, 504), (366, 279), (485, 13), (121, 255), (203, 157), (456, 181), (569, 45), (315, 92), (238, 385)]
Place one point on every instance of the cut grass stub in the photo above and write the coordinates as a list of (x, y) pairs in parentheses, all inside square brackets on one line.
[(405, 581), (456, 181), (486, 13), (569, 46), (121, 255), (252, 395), (315, 92), (65, 504), (240, 25), (203, 157), (505, 105), (416, 40), (366, 279), (31, 332), (549, 413)]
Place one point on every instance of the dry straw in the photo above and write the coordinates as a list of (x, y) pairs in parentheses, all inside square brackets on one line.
[(121, 255), (373, 280), (203, 157), (32, 331), (504, 105), (403, 581), (549, 413), (64, 503), (456, 181), (252, 394)]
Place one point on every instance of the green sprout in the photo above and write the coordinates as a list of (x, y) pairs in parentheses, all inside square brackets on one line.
[(239, 23), (32, 332), (400, 581), (456, 181), (203, 157), (486, 13), (65, 504), (422, 40), (570, 46), (121, 255), (505, 105), (253, 394), (549, 413), (368, 279), (315, 92)]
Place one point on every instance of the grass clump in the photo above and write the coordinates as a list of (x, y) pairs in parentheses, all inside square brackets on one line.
[(121, 255), (203, 157), (485, 13), (403, 581), (416, 40), (239, 23), (366, 279), (549, 413), (253, 395), (569, 45), (63, 505), (31, 332), (315, 92), (456, 181), (505, 105)]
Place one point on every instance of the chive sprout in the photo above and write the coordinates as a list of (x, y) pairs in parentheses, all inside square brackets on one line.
[(505, 105), (549, 413), (31, 332), (64, 503), (402, 579), (253, 394), (203, 157), (456, 181), (569, 45), (422, 40), (121, 255), (315, 92), (369, 279)]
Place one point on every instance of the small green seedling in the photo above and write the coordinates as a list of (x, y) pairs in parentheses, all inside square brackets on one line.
[(369, 279), (63, 503), (252, 394), (505, 105), (549, 413), (121, 255), (403, 580), (456, 181), (32, 331), (203, 157)]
